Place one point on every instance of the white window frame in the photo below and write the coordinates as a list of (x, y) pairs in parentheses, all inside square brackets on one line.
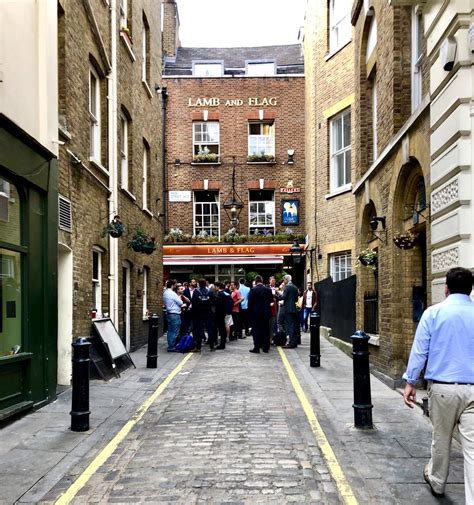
[(123, 14), (146, 282), (124, 160), (201, 145), (207, 68), (375, 151), (340, 29), (94, 115), (146, 172), (416, 57), (340, 265), (144, 52), (195, 214), (266, 141), (340, 119), (260, 68), (267, 204), (97, 282)]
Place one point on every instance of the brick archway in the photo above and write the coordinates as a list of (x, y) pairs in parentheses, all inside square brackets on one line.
[(410, 278)]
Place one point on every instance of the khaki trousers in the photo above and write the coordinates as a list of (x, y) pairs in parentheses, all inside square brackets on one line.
[(451, 406)]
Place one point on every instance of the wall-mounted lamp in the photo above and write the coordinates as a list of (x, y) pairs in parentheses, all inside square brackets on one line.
[(291, 153), (374, 224), (140, 271), (234, 204)]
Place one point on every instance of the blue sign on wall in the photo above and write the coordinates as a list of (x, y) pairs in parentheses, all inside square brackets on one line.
[(290, 212)]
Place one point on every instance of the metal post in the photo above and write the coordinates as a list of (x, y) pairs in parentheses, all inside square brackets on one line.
[(314, 343), (362, 397), (152, 354), (80, 385)]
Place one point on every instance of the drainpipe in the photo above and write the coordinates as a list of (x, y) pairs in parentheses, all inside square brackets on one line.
[(113, 198), (164, 96)]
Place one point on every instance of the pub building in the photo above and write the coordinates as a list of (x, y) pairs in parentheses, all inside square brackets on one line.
[(234, 161)]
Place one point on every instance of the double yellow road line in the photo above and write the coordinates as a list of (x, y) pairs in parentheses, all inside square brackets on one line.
[(335, 470)]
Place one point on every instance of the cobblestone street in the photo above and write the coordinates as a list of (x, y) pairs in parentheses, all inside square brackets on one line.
[(230, 429)]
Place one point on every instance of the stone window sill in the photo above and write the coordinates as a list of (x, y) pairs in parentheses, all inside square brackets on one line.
[(335, 51), (128, 45), (147, 89), (98, 165), (147, 212), (204, 163), (339, 191), (127, 193)]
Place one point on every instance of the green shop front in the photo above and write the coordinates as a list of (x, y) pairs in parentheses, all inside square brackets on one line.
[(28, 271)]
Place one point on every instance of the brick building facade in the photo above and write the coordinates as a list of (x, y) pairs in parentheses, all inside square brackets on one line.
[(110, 164), (241, 111), (391, 161), (329, 74)]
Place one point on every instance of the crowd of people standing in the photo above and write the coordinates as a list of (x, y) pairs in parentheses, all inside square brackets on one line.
[(219, 312)]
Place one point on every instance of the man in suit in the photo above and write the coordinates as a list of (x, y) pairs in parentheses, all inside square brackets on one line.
[(259, 306), (290, 297)]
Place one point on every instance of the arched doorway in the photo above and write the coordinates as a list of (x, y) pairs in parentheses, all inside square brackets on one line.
[(410, 214)]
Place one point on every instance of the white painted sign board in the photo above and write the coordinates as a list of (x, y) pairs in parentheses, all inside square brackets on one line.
[(180, 196)]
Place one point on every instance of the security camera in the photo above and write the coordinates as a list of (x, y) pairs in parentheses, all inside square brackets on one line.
[(447, 54)]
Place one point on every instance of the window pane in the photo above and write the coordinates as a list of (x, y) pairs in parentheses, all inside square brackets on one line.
[(9, 213), (10, 300), (259, 69), (208, 69), (347, 178), (255, 128), (337, 134), (339, 169), (347, 129)]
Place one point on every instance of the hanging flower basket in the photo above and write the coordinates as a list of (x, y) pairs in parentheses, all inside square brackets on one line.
[(142, 242), (368, 258), (115, 228), (405, 240)]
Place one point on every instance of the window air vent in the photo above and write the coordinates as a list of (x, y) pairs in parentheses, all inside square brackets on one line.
[(65, 216)]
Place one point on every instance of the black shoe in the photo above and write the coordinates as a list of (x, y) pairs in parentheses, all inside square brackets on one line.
[(288, 346), (247, 333), (255, 351), (220, 347), (265, 351), (242, 337)]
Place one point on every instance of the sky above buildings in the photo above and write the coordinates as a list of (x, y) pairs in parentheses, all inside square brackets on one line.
[(240, 23)]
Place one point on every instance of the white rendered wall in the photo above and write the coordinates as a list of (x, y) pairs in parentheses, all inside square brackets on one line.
[(28, 67), (452, 141)]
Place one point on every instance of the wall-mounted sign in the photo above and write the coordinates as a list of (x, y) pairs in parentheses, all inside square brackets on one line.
[(180, 196), (233, 102), (290, 190), (290, 212)]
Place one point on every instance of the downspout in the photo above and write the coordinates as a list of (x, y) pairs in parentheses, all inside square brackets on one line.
[(112, 130), (164, 96)]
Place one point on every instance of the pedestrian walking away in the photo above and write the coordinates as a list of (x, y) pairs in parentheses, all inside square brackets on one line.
[(235, 293), (444, 342), (290, 297), (224, 306), (260, 301), (173, 304)]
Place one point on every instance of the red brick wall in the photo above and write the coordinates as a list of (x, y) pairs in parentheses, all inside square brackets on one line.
[(288, 117)]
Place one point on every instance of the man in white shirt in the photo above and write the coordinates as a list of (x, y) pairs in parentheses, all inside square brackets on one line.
[(173, 304)]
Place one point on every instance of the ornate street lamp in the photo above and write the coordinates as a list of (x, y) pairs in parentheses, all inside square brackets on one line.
[(296, 252), (234, 204)]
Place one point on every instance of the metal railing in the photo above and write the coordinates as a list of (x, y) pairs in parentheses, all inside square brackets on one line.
[(371, 312)]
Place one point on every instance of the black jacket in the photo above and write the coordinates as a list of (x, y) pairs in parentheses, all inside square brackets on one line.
[(260, 299), (290, 297)]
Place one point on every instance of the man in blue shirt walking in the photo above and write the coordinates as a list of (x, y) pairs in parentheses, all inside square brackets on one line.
[(444, 341)]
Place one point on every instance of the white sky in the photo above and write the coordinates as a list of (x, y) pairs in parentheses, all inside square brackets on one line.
[(239, 23)]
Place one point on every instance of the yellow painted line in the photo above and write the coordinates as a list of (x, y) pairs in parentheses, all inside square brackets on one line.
[(335, 470), (108, 450)]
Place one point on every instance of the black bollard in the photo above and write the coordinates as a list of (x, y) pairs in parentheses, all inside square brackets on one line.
[(314, 342), (152, 351), (362, 398), (80, 385)]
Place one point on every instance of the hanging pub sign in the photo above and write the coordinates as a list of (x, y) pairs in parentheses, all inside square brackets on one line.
[(290, 212), (290, 190)]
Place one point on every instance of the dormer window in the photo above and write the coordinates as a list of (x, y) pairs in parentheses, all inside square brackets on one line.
[(207, 69), (260, 68)]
